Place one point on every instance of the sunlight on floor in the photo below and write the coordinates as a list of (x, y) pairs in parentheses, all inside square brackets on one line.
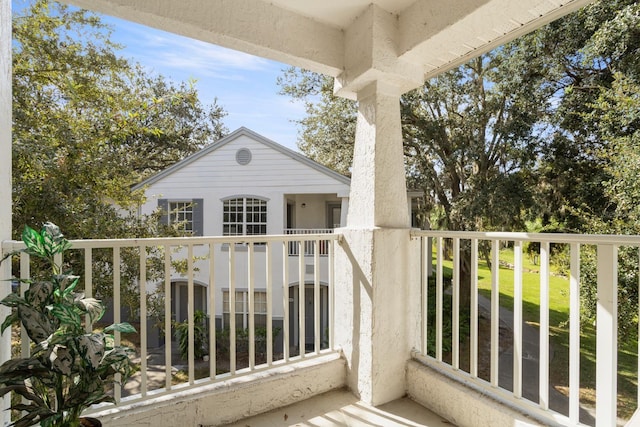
[(341, 408)]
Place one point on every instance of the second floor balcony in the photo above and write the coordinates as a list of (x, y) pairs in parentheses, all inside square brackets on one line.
[(488, 322)]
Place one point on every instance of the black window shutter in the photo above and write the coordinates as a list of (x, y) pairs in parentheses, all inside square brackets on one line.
[(198, 217)]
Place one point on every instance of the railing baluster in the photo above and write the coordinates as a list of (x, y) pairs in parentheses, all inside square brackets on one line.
[(25, 273), (474, 309), (232, 308), (607, 336), (167, 317), (425, 293), (439, 296), (88, 284), (285, 301), (301, 302), (495, 311), (268, 251), (574, 334), (331, 292), (317, 315), (117, 389), (143, 320), (252, 304), (190, 314), (212, 312), (455, 306), (517, 319), (544, 327)]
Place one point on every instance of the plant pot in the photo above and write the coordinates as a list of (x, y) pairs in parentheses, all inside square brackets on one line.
[(90, 422)]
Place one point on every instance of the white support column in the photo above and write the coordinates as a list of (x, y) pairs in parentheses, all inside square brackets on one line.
[(5, 182), (376, 278), (378, 186), (373, 307)]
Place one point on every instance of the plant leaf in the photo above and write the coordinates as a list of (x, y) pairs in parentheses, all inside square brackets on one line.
[(9, 320), (15, 371), (123, 327), (39, 294), (23, 391), (91, 348), (92, 307), (53, 239), (66, 283), (13, 300), (68, 315), (61, 359), (34, 242), (36, 323)]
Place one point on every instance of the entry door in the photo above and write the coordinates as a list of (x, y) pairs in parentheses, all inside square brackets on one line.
[(309, 314), (333, 215)]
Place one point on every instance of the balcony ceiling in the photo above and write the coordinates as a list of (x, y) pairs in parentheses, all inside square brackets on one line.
[(425, 37)]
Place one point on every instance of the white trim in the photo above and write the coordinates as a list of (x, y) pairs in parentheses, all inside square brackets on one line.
[(244, 196)]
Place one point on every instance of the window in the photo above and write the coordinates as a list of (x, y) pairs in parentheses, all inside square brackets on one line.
[(187, 214), (242, 309), (181, 214), (244, 217)]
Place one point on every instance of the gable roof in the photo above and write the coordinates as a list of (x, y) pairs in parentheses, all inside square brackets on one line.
[(233, 136)]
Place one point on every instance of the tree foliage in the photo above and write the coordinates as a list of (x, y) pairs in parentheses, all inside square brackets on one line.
[(326, 135), (468, 135), (87, 124)]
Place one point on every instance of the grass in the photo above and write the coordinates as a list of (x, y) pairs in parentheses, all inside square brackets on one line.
[(559, 330)]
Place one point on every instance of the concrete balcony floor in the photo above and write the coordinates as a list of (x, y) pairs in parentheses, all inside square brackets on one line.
[(341, 408)]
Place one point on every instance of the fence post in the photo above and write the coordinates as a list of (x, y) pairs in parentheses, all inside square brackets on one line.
[(607, 336)]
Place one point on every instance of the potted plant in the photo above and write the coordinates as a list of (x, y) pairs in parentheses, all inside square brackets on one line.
[(68, 368)]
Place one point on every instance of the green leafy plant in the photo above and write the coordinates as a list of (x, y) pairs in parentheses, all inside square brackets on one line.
[(242, 340), (68, 369), (200, 336)]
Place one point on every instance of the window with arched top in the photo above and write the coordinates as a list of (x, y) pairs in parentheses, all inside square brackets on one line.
[(244, 216)]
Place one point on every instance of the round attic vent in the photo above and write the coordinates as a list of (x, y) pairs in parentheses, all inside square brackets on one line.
[(243, 156)]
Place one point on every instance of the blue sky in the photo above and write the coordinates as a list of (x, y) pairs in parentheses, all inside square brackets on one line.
[(245, 85)]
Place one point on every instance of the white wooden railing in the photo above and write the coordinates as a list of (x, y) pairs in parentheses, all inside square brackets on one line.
[(308, 245), (433, 245), (248, 262)]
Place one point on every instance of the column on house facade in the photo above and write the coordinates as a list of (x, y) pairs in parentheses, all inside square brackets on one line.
[(377, 307), (5, 181)]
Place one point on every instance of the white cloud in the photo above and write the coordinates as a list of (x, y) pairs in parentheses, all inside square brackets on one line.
[(163, 50)]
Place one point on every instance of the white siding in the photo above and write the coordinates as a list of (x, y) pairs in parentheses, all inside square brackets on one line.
[(270, 175)]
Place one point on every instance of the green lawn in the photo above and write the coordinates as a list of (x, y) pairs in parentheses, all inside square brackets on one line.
[(559, 329)]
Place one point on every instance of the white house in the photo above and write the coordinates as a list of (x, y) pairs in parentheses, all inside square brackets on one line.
[(246, 184)]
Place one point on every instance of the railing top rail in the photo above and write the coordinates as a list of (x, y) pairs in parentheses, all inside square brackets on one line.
[(588, 239), (11, 245)]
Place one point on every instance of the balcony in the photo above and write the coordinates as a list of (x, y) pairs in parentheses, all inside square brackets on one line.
[(308, 247), (493, 363)]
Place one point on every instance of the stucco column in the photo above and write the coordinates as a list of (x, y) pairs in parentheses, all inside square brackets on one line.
[(5, 181), (376, 307)]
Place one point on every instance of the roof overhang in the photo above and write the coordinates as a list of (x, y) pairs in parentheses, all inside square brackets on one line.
[(353, 40)]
